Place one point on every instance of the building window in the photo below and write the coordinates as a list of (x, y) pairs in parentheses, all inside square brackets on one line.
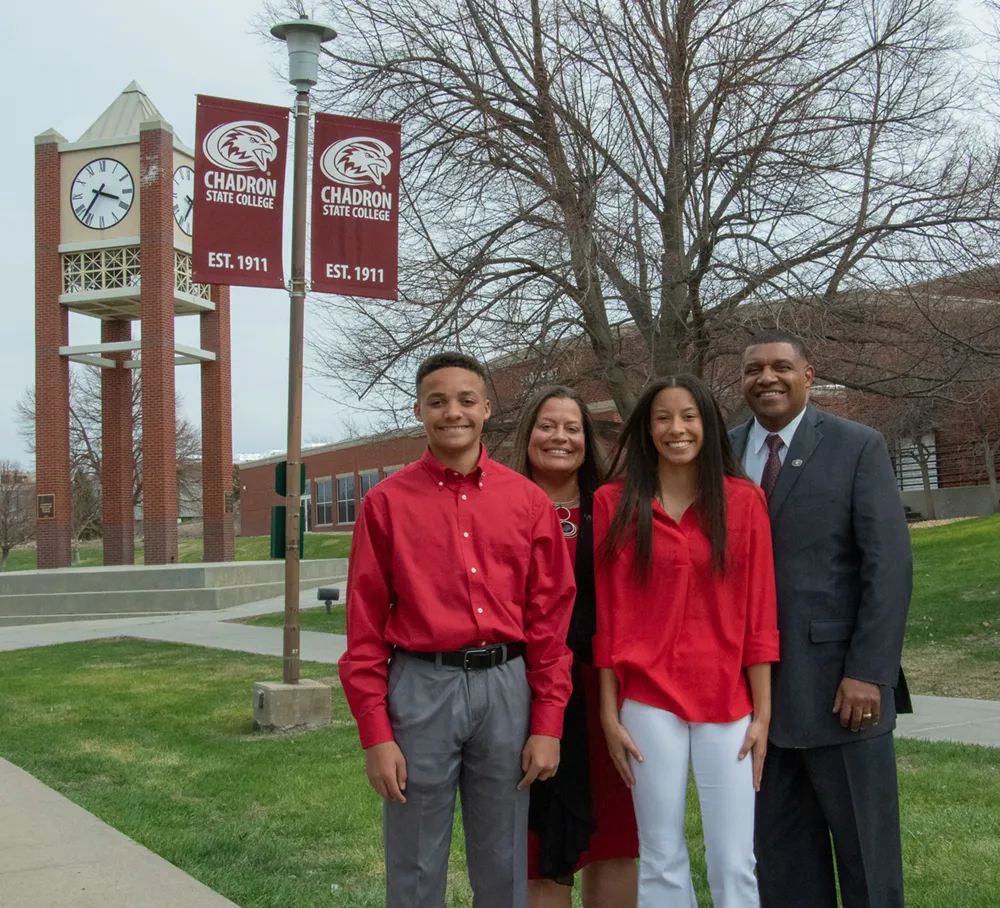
[(324, 502), (368, 480), (345, 499), (388, 471)]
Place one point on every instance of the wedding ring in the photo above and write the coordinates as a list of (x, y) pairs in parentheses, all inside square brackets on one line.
[(866, 715)]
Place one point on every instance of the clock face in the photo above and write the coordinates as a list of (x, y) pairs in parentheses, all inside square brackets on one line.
[(184, 198), (102, 193)]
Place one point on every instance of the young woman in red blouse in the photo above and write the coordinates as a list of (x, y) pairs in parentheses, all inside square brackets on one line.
[(686, 632), (582, 818)]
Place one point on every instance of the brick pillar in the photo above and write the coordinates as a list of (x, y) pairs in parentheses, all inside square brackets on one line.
[(159, 417), (55, 533), (217, 431), (117, 457)]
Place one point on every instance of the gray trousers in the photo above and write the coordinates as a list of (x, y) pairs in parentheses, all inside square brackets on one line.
[(458, 731)]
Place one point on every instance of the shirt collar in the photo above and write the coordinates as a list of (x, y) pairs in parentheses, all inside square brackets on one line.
[(441, 474), (758, 434)]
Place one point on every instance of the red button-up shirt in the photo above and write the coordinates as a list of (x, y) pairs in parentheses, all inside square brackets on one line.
[(681, 641), (440, 562)]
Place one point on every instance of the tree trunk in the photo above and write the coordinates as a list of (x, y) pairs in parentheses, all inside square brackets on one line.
[(3, 559), (923, 458), (991, 472)]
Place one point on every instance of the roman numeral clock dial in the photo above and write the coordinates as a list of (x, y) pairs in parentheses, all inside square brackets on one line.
[(184, 198), (101, 193)]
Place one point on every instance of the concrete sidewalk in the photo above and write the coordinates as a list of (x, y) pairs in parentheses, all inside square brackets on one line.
[(54, 854), (203, 628), (952, 719)]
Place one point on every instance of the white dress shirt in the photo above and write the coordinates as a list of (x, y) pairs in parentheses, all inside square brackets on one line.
[(756, 453)]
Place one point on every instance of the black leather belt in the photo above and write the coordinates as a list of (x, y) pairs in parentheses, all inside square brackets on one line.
[(474, 658)]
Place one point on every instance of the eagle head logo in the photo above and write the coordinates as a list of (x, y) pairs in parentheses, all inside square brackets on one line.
[(242, 146), (356, 161)]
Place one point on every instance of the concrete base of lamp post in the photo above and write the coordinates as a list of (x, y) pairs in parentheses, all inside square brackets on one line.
[(287, 707)]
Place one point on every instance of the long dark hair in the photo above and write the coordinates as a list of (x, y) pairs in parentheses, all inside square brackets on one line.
[(637, 458), (591, 473)]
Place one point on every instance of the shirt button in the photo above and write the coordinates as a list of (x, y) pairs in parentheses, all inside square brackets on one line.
[(474, 571), (479, 610), (464, 497), (466, 535), (482, 643), (440, 483)]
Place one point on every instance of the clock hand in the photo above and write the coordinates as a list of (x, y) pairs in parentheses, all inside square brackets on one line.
[(107, 195), (96, 192), (190, 202)]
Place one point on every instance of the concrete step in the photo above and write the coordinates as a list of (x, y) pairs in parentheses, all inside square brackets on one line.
[(163, 577), (153, 590)]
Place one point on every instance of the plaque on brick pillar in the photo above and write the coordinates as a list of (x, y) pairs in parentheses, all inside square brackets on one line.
[(107, 250), (46, 507)]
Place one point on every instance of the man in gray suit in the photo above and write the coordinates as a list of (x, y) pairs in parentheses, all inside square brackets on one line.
[(843, 569)]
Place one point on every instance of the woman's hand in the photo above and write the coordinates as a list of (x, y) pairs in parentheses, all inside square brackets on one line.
[(620, 745), (755, 743)]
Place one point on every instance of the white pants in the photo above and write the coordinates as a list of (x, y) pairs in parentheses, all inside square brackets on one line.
[(725, 790)]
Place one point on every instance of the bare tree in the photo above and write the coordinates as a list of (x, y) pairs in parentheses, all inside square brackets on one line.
[(634, 172), (981, 420), (17, 513), (85, 445)]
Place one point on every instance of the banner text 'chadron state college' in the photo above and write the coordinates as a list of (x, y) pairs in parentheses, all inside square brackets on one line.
[(239, 177), (355, 207)]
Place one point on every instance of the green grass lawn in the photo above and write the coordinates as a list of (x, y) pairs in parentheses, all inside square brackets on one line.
[(157, 740), (310, 619), (248, 548), (953, 633)]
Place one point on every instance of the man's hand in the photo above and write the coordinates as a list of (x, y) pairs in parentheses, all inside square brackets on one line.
[(858, 703), (386, 770), (620, 745), (755, 743), (539, 759)]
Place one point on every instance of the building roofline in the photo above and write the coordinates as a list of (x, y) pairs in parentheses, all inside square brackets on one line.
[(391, 435)]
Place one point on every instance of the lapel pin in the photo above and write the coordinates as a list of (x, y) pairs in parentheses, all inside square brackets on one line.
[(796, 462)]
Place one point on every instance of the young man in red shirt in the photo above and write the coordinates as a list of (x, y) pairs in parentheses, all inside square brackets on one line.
[(459, 596)]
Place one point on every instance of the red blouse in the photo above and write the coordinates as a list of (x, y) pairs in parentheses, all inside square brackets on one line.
[(681, 641)]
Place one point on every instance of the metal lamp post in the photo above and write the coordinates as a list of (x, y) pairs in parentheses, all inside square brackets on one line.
[(303, 39)]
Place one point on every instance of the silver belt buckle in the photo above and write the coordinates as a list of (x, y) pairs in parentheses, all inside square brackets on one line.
[(482, 651)]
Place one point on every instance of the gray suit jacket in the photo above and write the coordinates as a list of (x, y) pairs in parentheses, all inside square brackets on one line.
[(844, 573)]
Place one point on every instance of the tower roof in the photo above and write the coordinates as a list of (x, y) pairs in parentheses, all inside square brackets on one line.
[(123, 117)]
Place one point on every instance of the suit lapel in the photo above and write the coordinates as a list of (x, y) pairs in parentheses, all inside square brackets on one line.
[(740, 436), (807, 437)]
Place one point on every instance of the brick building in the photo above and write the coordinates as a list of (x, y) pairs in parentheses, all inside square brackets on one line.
[(948, 446)]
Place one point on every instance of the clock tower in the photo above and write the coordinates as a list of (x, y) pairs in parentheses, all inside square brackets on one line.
[(113, 225)]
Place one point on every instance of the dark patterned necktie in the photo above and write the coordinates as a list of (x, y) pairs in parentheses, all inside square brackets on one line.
[(773, 466)]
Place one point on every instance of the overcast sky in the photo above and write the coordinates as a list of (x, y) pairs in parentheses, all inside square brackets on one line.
[(63, 77)]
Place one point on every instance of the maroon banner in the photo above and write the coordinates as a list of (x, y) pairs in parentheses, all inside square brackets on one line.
[(355, 207), (239, 187)]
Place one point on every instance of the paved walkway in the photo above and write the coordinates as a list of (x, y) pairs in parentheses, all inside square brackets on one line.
[(204, 628), (952, 719), (53, 854)]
